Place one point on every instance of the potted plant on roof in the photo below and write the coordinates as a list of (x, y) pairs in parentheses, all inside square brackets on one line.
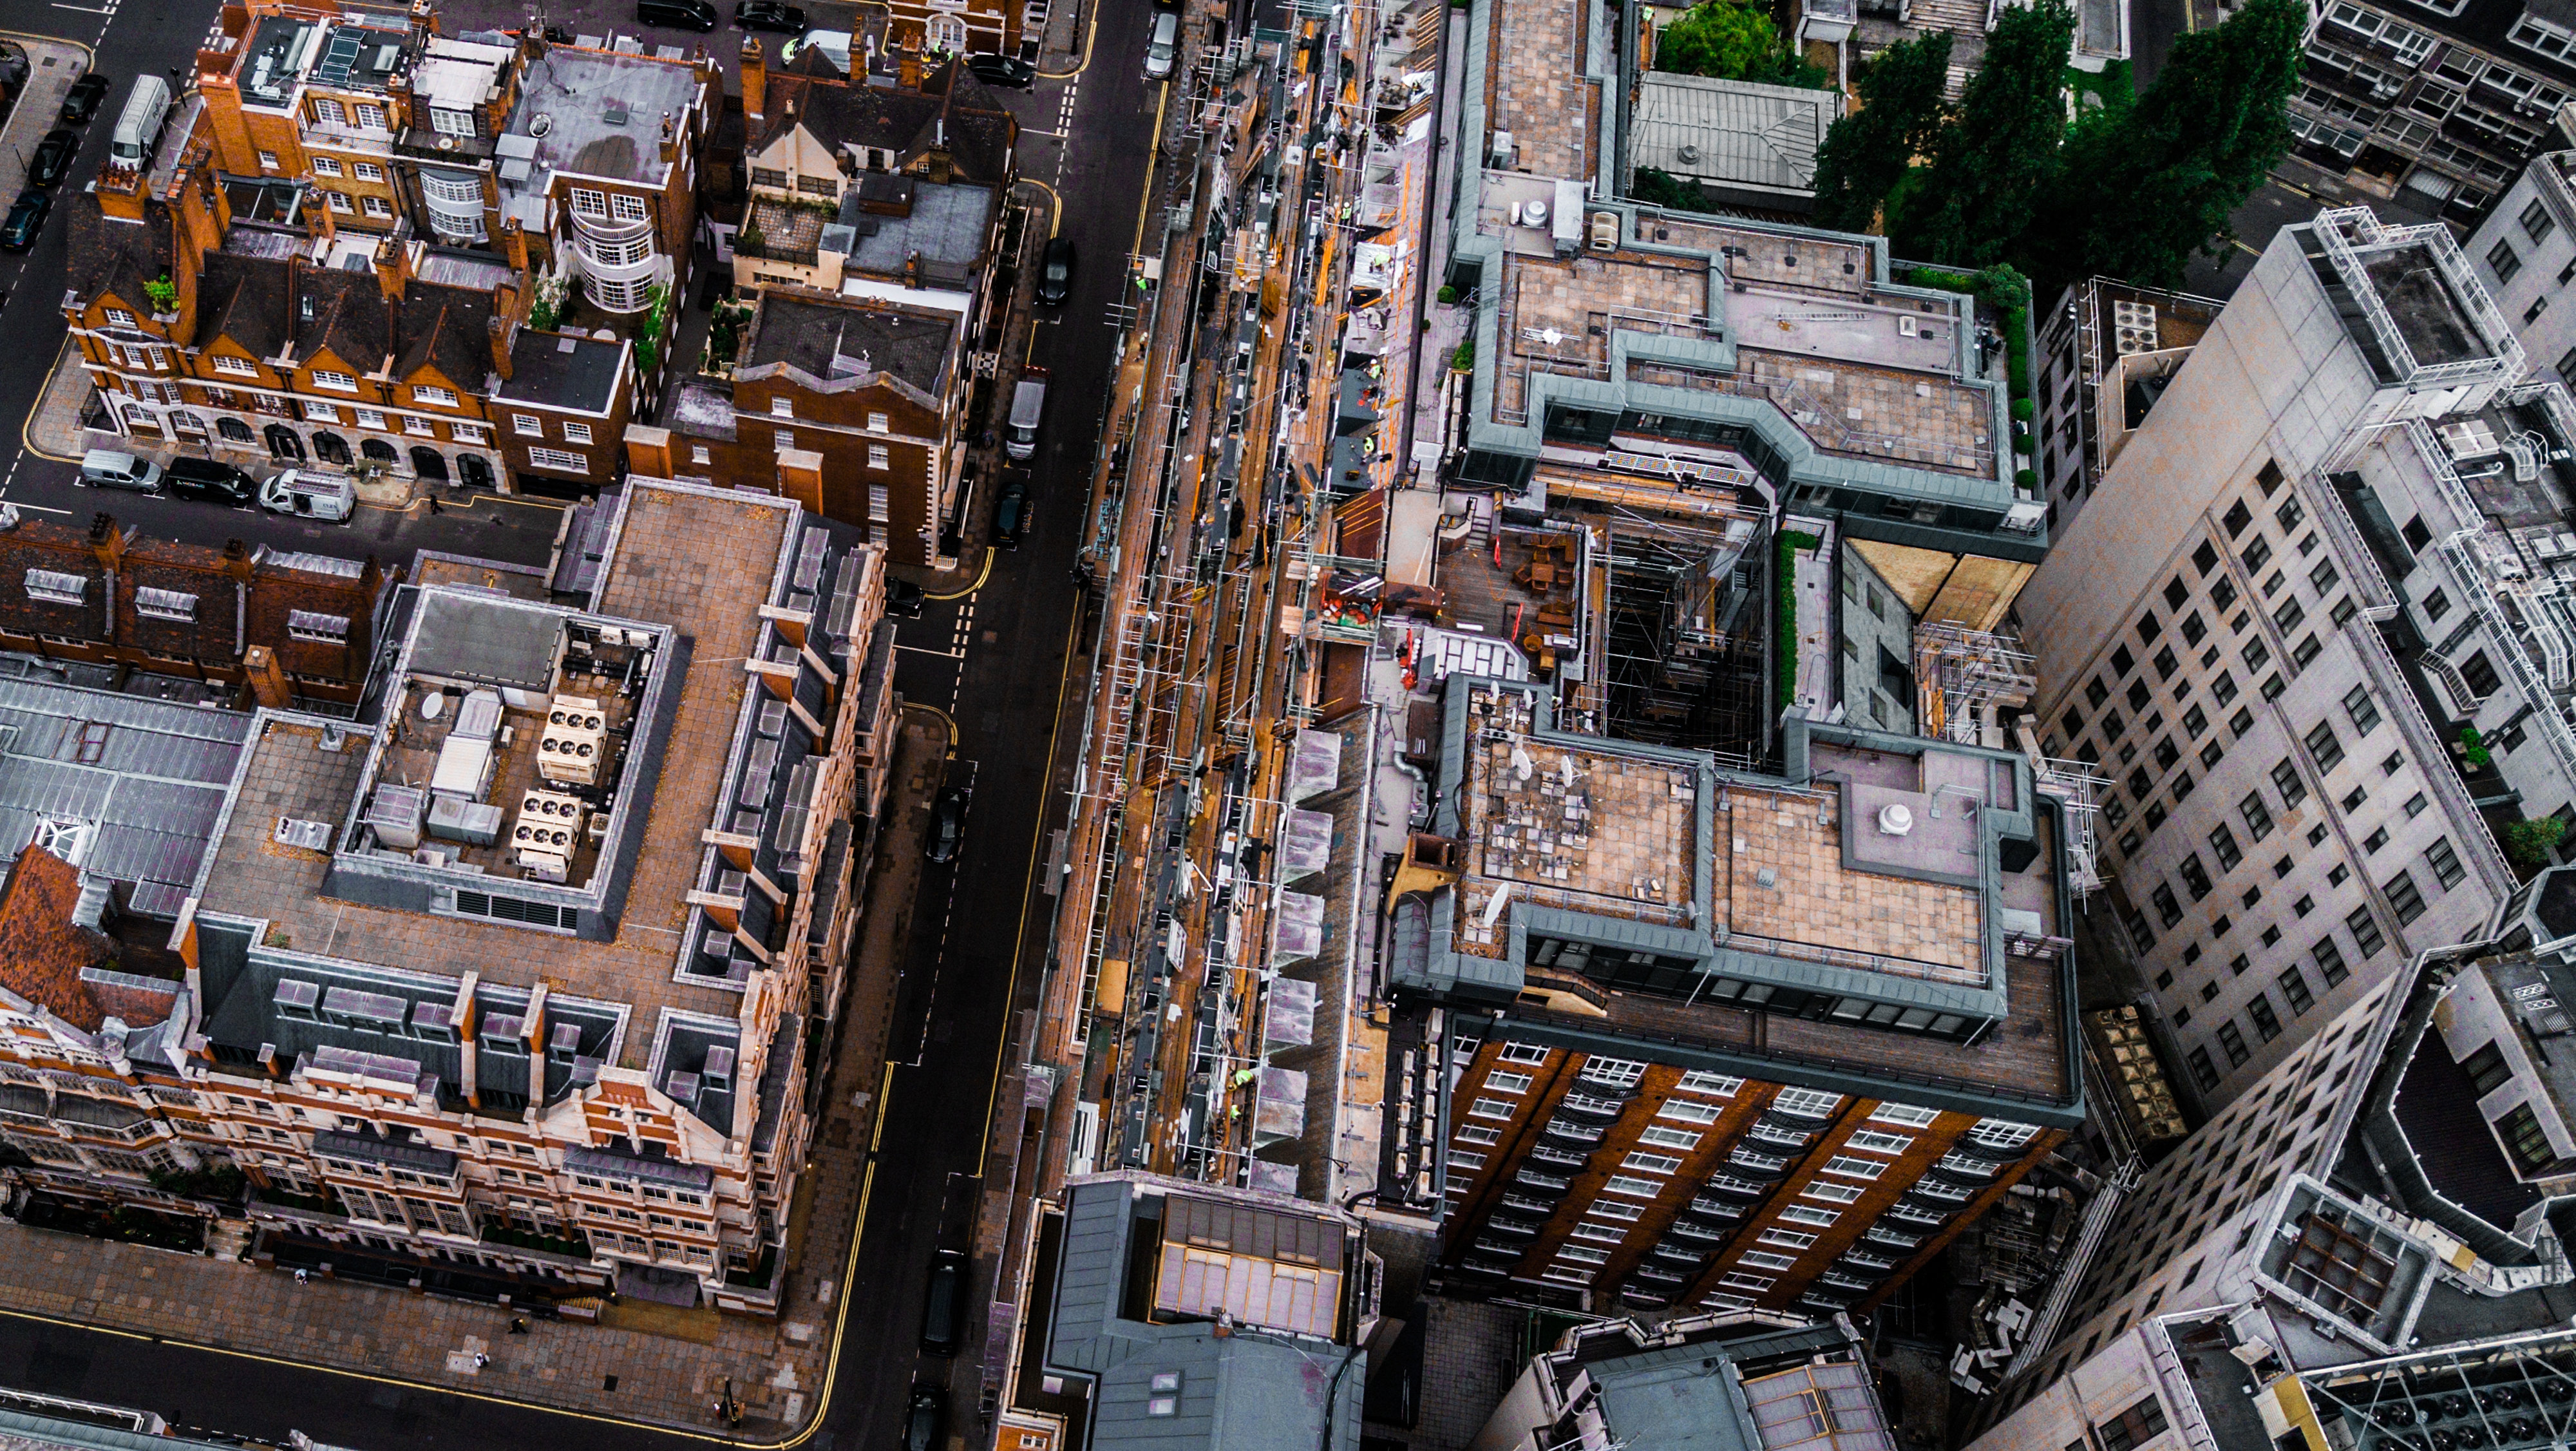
[(165, 298)]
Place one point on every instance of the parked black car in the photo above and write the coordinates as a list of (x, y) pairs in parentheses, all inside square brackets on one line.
[(1055, 273), (26, 219), (904, 598), (84, 98), (204, 478), (53, 157), (680, 14), (769, 15), (925, 1418), (947, 829), (1011, 513), (1001, 70), (945, 1303)]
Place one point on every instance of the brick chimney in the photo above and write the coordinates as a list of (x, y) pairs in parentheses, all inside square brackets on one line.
[(393, 267), (514, 244), (265, 677), (670, 141), (106, 541), (755, 80), (648, 452), (238, 561), (800, 477), (908, 65)]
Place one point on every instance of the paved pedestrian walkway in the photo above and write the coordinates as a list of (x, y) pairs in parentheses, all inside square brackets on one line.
[(651, 1363)]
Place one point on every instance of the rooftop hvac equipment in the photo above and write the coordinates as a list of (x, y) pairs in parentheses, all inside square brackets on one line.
[(464, 768), (395, 814), (2468, 438), (546, 834), (476, 823), (2133, 327), (574, 742), (479, 718)]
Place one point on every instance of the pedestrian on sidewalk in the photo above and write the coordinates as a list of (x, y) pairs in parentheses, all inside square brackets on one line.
[(518, 1327), (434, 505), (481, 1360), (301, 1278)]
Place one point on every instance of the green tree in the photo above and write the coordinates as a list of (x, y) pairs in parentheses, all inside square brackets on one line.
[(1733, 42), (1869, 150), (1663, 189), (2142, 187), (1994, 160)]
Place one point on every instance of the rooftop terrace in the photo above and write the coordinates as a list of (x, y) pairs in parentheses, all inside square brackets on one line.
[(698, 562)]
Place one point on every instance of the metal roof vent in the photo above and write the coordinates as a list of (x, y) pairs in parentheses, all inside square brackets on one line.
[(1895, 818)]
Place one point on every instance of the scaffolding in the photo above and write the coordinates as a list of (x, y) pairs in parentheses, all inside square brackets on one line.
[(1963, 676), (2079, 796), (1684, 636)]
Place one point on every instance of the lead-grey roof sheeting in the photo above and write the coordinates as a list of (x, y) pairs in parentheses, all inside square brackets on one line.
[(1737, 131), (494, 641), (148, 775)]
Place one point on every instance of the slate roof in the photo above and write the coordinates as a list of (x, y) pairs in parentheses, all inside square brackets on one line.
[(42, 951), (101, 253), (808, 333), (890, 118), (446, 328)]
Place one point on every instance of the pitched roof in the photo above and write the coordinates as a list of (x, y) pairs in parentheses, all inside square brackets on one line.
[(102, 253), (446, 328), (950, 109), (42, 951), (347, 315), (244, 299)]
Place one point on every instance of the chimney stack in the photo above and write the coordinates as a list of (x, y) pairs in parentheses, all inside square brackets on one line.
[(909, 66), (514, 244), (393, 267), (755, 79)]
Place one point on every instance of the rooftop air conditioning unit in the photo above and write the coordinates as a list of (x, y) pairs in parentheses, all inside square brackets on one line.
[(573, 746), (1504, 149)]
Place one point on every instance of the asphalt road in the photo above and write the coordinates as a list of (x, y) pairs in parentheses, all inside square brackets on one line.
[(996, 660)]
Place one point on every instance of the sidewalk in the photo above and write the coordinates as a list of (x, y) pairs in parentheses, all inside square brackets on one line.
[(649, 1363)]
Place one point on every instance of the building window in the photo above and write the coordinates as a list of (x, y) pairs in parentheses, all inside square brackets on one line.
[(316, 411), (319, 628), (268, 161), (557, 459), (469, 433), (2232, 1039), (2266, 1022), (2525, 1139), (371, 418), (2404, 897), (1632, 1186), (448, 122), (2203, 1072), (371, 116), (55, 587), (418, 427), (589, 203), (1765, 1260), (1491, 1108), (528, 425), (1613, 1072), (2133, 1427), (2329, 957), (163, 604), (337, 381), (2502, 258), (1852, 1168), (375, 206), (327, 165), (1719, 1085), (1870, 1141), (1667, 1138), (880, 457), (436, 397), (2487, 1070), (576, 432), (239, 367), (1651, 1163), (1816, 1215), (2294, 988), (1807, 1102), (1828, 1190)]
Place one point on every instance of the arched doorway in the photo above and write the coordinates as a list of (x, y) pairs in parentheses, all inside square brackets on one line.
[(331, 448), (378, 451), (426, 462), (233, 430), (283, 445), (475, 470)]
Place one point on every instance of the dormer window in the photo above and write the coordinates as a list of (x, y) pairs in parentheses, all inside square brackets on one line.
[(166, 604), (320, 628), (438, 397), (239, 367), (327, 378), (55, 587), (117, 317)]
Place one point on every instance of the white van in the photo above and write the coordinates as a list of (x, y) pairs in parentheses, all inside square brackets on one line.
[(138, 126), (1028, 405), (106, 468), (309, 495)]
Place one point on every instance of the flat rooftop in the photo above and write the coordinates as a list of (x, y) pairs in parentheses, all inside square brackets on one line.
[(1862, 372), (1535, 89), (698, 562), (604, 115)]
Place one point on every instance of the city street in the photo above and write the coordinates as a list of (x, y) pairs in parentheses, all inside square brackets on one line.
[(996, 659)]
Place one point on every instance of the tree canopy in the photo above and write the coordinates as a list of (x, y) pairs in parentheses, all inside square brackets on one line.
[(1733, 42), (2141, 188), (1999, 151), (2130, 189), (1868, 152)]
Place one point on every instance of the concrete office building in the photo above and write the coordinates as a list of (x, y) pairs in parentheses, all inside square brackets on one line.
[(2525, 252), (2251, 629), (2392, 1190)]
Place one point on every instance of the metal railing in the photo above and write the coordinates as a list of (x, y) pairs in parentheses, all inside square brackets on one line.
[(2391, 686), (2365, 231)]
